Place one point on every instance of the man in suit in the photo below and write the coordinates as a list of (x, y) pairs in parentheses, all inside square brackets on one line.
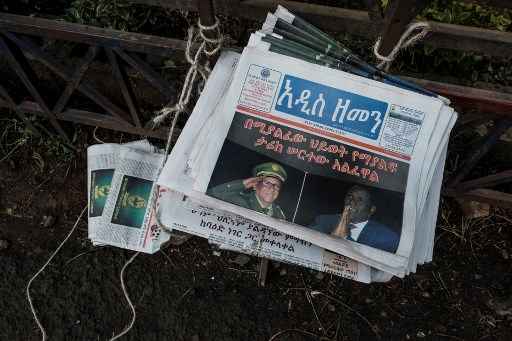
[(355, 223), (257, 193)]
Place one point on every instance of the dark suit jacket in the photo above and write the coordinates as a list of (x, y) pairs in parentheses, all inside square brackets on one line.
[(374, 234)]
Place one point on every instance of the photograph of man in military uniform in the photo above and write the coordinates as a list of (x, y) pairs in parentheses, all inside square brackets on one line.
[(258, 193), (251, 180)]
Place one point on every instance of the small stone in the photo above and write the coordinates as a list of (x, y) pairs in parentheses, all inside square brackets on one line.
[(478, 276), (368, 300), (320, 276), (283, 272), (48, 221), (425, 294), (4, 244), (504, 254), (383, 314), (331, 307), (407, 336), (216, 253), (420, 334)]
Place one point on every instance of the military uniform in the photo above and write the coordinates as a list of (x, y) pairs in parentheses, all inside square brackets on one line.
[(236, 193)]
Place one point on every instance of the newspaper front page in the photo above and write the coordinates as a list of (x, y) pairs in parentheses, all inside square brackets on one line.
[(332, 138)]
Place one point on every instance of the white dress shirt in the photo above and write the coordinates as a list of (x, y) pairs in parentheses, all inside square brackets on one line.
[(356, 231)]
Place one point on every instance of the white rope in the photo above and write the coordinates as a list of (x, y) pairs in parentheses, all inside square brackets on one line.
[(405, 41), (125, 292), (34, 313), (95, 137), (207, 47)]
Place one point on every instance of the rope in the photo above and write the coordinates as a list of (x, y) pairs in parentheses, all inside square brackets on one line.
[(125, 292), (32, 309), (405, 41), (207, 47)]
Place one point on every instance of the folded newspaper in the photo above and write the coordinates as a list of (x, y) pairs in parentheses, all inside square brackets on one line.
[(121, 185), (299, 151)]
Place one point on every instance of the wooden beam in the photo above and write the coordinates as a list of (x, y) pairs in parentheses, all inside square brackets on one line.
[(500, 127), (398, 16), (65, 73), (90, 35), (486, 181), (124, 85), (455, 37), (490, 196), (262, 273), (90, 118), (151, 76), (484, 101), (19, 64), (73, 83)]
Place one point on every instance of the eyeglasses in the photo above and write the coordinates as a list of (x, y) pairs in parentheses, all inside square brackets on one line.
[(270, 185)]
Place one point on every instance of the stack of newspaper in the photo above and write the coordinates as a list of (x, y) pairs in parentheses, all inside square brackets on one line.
[(121, 186), (300, 152)]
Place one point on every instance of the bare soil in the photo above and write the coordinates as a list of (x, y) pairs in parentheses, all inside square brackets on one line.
[(187, 293)]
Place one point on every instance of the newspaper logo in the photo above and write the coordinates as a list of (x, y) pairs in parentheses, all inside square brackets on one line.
[(331, 107), (259, 88)]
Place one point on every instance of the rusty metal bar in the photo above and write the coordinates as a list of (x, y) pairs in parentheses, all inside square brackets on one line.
[(124, 84), (75, 79), (23, 70)]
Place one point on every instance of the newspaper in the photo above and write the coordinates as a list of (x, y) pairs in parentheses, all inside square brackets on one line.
[(298, 133), (302, 138), (121, 192), (102, 160), (236, 233), (347, 163)]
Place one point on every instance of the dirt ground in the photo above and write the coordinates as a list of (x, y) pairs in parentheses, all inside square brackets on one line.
[(187, 293)]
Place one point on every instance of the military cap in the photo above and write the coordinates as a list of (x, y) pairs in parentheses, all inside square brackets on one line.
[(270, 169)]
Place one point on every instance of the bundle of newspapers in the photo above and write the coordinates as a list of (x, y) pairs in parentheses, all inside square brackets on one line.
[(123, 196), (299, 151)]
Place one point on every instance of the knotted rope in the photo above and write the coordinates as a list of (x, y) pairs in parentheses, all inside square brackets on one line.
[(406, 40), (206, 48)]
